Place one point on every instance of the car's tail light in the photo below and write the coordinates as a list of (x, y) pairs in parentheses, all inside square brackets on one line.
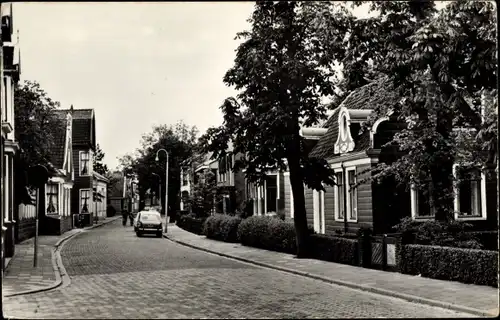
[(161, 226)]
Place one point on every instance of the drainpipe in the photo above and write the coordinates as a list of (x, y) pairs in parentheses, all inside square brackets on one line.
[(344, 183)]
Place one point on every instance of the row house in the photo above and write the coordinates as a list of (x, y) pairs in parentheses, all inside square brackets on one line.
[(55, 207), (193, 172), (9, 73), (231, 185), (352, 152), (88, 193)]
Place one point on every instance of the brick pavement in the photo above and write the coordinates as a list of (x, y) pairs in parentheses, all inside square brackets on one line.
[(115, 274), (482, 299), (21, 276)]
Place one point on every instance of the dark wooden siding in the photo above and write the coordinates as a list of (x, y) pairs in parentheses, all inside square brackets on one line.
[(309, 206), (364, 198), (281, 196), (79, 182), (287, 191), (329, 210)]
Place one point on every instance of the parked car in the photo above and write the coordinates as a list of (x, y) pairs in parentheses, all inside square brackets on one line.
[(148, 222)]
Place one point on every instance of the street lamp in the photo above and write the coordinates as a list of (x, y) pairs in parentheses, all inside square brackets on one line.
[(159, 186), (166, 185)]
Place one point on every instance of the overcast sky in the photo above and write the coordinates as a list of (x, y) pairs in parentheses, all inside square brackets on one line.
[(136, 64)]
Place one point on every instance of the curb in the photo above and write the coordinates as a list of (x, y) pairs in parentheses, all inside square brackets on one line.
[(62, 277), (351, 285)]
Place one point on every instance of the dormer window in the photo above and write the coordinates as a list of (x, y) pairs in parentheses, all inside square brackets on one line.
[(345, 142), (343, 127)]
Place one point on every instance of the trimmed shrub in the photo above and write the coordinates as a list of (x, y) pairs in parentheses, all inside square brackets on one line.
[(192, 223), (335, 249), (437, 233), (222, 227), (488, 239), (456, 264), (269, 233)]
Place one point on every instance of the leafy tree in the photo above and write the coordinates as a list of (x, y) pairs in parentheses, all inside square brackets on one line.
[(100, 167), (115, 185), (37, 126), (441, 62), (204, 193), (179, 141), (281, 73)]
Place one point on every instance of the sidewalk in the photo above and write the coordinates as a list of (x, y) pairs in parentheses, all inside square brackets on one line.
[(478, 300), (21, 277)]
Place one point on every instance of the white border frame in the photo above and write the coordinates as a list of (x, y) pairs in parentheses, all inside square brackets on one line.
[(336, 209), (346, 179), (319, 213), (456, 198), (414, 205), (57, 204), (80, 164), (80, 199)]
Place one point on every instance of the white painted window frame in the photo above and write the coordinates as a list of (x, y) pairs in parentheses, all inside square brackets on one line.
[(89, 173), (346, 181), (456, 200), (56, 205), (80, 202), (414, 205), (336, 195)]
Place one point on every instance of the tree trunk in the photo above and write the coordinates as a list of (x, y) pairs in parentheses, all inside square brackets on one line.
[(299, 207)]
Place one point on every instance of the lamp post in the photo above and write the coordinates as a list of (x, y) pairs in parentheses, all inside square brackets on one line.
[(40, 176), (159, 186), (166, 185)]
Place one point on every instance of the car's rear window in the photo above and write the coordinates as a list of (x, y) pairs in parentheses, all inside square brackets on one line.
[(150, 217)]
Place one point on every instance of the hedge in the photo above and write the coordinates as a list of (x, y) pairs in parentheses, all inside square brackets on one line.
[(191, 223), (488, 239), (335, 249), (456, 264), (222, 227), (269, 233)]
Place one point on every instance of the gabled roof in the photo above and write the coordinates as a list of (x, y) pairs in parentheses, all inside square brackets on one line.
[(368, 96), (83, 126), (57, 150), (100, 177)]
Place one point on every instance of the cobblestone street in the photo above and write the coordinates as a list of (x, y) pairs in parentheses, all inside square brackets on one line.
[(115, 274)]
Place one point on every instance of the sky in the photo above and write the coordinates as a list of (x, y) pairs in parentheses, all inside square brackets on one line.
[(136, 64)]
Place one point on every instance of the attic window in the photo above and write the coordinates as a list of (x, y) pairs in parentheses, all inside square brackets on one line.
[(343, 126)]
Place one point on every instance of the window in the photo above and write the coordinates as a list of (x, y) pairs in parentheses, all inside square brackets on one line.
[(52, 198), (84, 200), (421, 203), (84, 163), (339, 196), (271, 193), (470, 197), (353, 195)]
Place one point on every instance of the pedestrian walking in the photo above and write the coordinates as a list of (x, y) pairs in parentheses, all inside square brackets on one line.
[(131, 217), (124, 217)]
